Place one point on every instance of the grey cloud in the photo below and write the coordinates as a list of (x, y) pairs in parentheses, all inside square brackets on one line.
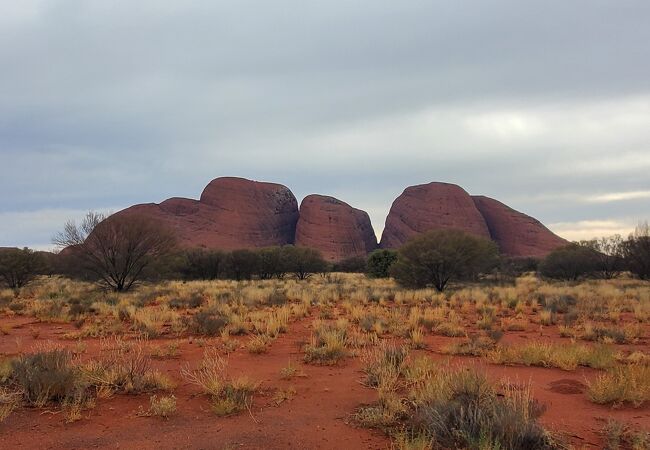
[(114, 103)]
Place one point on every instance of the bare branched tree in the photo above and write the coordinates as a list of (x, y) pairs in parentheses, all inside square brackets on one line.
[(115, 250), (74, 234), (608, 255)]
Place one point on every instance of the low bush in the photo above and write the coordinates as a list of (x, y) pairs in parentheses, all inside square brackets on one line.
[(126, 369), (48, 376), (462, 409), (208, 323), (448, 408)]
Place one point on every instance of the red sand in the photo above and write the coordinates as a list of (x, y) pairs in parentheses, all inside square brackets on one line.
[(317, 417)]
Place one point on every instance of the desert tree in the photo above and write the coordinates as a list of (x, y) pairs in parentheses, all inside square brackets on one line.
[(607, 255), (353, 264), (438, 257), (379, 263), (273, 262), (303, 262), (636, 251), (114, 251), (20, 266), (202, 264), (513, 267), (242, 264), (569, 262)]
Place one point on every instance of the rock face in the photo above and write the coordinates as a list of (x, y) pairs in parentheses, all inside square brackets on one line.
[(232, 213), (428, 207), (335, 228), (235, 213), (516, 233)]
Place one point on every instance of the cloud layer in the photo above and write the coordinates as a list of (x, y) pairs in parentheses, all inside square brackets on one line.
[(543, 105)]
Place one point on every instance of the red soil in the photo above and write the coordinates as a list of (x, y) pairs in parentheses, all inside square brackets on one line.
[(317, 417)]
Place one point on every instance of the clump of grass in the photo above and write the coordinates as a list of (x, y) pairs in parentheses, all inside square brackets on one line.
[(259, 344), (73, 408), (627, 384), (412, 441), (514, 325), (171, 350), (9, 400), (618, 436), (283, 395), (547, 317), (327, 345), (164, 406), (568, 331), (565, 357), (227, 396), (611, 335), (236, 396), (384, 363), (6, 369), (150, 321), (290, 371), (450, 329), (485, 322), (126, 369), (277, 298), (384, 414), (474, 346), (384, 368), (360, 339), (416, 336), (209, 323)]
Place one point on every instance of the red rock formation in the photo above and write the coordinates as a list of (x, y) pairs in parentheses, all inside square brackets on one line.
[(516, 233), (335, 228), (238, 213), (232, 213), (429, 207)]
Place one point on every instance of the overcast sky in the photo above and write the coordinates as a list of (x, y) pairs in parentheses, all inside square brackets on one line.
[(544, 105)]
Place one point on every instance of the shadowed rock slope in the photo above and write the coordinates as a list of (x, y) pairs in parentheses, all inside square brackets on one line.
[(516, 233)]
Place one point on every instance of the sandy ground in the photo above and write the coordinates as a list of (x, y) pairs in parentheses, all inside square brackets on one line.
[(317, 417)]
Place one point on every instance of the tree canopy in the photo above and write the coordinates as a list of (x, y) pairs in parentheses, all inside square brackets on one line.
[(440, 256)]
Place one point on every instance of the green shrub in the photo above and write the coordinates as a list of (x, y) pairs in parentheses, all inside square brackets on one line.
[(379, 263), (570, 262), (438, 257)]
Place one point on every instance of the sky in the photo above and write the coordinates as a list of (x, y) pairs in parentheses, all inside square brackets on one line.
[(544, 105)]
